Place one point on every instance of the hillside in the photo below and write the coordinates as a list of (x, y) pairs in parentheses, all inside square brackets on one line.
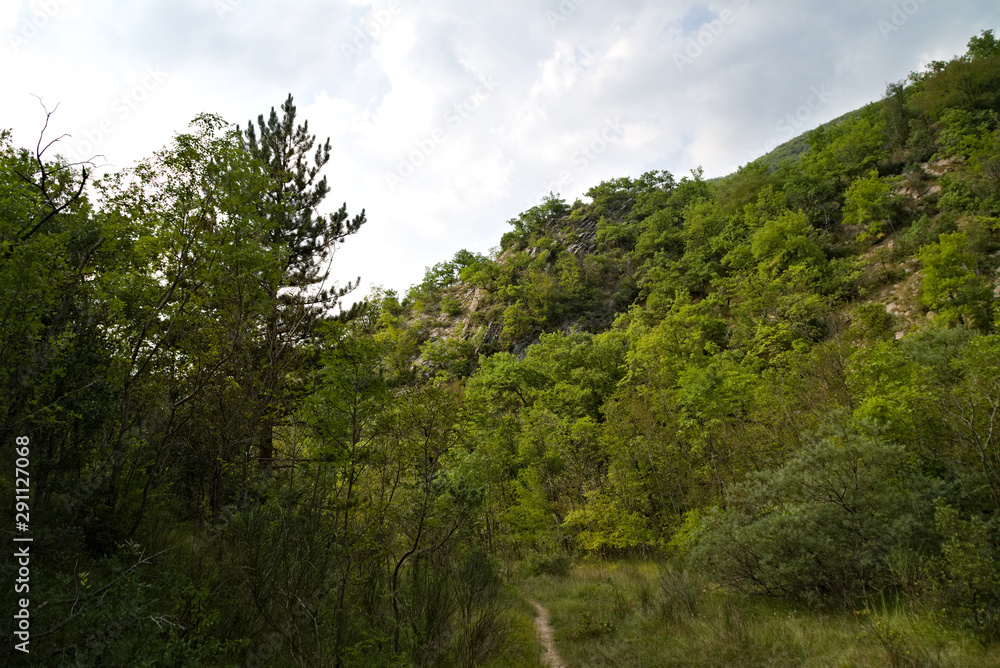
[(639, 243), (665, 363), (741, 422)]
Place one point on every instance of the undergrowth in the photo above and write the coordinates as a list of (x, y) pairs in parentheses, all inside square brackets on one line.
[(647, 614)]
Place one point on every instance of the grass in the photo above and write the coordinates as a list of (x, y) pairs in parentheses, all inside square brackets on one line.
[(642, 614), (521, 648)]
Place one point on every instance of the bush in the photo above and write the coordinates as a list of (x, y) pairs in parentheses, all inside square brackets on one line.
[(548, 564), (951, 283), (968, 581), (452, 306), (820, 528)]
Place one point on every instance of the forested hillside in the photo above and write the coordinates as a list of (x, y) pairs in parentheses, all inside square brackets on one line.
[(785, 383)]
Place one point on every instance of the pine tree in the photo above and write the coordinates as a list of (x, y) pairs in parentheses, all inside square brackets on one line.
[(293, 203), (310, 238)]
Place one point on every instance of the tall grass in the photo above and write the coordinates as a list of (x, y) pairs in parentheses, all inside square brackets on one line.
[(644, 614), (522, 649)]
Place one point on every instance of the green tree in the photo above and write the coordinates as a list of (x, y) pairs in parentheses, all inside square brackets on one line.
[(134, 313), (952, 284), (56, 375), (185, 296), (869, 204), (969, 580), (355, 472), (896, 115), (309, 238), (533, 222), (291, 204), (969, 82), (969, 408), (984, 46), (850, 148)]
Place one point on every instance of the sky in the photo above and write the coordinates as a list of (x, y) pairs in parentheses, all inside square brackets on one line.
[(448, 118)]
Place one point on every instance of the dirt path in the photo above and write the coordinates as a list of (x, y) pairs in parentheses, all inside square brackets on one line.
[(547, 636)]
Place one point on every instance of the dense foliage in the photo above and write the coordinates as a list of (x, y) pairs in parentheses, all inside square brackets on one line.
[(788, 379)]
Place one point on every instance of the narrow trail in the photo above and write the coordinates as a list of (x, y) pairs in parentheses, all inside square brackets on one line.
[(547, 635)]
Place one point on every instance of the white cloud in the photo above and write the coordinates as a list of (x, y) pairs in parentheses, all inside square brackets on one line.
[(382, 79)]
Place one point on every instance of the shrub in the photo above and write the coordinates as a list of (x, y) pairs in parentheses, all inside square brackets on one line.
[(968, 580), (548, 564), (951, 283), (452, 306), (869, 203), (821, 527)]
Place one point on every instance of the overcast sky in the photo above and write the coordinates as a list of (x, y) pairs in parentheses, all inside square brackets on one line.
[(449, 118)]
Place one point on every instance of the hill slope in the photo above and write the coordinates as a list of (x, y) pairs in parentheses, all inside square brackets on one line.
[(784, 383)]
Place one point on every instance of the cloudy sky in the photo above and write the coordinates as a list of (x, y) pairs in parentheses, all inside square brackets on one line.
[(448, 118)]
